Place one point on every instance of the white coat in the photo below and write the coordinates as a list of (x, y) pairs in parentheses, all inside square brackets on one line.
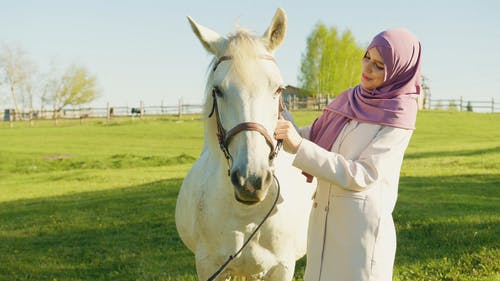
[(351, 235)]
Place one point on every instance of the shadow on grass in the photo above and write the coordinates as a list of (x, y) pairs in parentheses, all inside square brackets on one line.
[(470, 152), (440, 218), (120, 234), (130, 234)]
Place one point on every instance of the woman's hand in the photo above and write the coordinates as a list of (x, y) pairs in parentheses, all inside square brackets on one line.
[(291, 139)]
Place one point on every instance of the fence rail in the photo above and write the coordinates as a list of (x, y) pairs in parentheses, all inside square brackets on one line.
[(463, 104), (101, 112), (292, 102)]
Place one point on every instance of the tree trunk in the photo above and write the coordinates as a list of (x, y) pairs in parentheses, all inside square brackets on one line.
[(14, 99)]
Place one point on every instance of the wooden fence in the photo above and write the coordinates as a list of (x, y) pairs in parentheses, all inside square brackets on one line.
[(102, 112), (463, 104), (292, 102)]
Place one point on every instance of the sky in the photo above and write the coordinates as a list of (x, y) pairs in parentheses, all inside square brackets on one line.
[(145, 50)]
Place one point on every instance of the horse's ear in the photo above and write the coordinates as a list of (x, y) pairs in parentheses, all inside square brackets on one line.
[(210, 39), (276, 32)]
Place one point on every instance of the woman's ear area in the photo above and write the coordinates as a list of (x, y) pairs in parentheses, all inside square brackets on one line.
[(276, 32), (211, 40)]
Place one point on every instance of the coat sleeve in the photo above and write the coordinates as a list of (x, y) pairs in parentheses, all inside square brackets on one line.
[(380, 160)]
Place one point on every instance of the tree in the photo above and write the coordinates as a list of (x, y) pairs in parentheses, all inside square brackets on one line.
[(75, 87), (330, 64), (348, 58), (310, 77), (18, 72), (425, 93)]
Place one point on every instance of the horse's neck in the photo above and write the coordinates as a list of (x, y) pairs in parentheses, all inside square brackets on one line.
[(211, 147), (211, 142)]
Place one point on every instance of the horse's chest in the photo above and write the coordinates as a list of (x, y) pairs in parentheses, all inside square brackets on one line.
[(256, 257), (253, 260)]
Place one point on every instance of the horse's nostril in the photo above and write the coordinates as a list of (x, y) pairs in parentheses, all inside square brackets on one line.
[(236, 179), (253, 183)]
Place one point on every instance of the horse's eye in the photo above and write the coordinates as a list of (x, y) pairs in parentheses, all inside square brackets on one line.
[(218, 92)]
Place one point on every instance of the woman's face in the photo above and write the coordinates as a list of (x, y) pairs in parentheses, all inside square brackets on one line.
[(372, 70)]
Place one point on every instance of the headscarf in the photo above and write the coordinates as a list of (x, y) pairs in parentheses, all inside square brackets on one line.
[(392, 104)]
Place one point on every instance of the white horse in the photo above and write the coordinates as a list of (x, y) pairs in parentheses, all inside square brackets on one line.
[(222, 201)]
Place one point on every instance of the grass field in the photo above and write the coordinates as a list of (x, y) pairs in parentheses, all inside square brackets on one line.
[(95, 201)]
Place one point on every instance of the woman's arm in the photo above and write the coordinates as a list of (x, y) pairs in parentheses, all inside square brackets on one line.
[(383, 156)]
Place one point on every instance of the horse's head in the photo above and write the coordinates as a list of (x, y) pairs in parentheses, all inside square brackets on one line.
[(244, 87)]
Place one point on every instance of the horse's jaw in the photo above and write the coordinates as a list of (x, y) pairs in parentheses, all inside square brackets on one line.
[(248, 203), (249, 198)]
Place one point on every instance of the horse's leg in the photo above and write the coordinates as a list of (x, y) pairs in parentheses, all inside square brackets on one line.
[(205, 267), (281, 272)]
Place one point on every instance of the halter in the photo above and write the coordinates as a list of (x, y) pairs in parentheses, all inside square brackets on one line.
[(225, 137)]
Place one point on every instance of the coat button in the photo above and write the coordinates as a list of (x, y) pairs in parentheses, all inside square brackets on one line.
[(326, 209), (315, 204)]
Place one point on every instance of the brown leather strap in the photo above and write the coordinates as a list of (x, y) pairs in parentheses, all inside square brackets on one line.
[(249, 126), (225, 58), (221, 59)]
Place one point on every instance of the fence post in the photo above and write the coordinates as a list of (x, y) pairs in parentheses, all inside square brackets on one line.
[(108, 112), (142, 110), (461, 100), (492, 105), (55, 113), (180, 108), (31, 117), (11, 119)]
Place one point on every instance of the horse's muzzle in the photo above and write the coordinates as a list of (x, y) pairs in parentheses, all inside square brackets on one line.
[(250, 189)]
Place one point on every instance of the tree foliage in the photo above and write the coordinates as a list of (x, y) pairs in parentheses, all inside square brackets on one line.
[(331, 63), (75, 87)]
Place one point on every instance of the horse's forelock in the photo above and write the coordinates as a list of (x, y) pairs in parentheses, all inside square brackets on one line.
[(243, 46)]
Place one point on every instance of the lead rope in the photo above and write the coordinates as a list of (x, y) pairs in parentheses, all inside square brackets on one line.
[(231, 257)]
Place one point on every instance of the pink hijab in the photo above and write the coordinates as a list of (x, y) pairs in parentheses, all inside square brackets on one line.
[(392, 104)]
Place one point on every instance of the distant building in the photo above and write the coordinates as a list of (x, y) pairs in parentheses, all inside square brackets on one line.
[(298, 98), (295, 98)]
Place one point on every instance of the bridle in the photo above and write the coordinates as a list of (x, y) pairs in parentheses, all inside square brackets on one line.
[(225, 137)]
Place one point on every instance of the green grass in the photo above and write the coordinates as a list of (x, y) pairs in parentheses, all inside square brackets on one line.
[(95, 201)]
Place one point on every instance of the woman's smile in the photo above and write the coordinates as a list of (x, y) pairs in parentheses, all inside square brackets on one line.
[(365, 77)]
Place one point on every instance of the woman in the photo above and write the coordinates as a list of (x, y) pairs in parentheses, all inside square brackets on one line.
[(355, 149)]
